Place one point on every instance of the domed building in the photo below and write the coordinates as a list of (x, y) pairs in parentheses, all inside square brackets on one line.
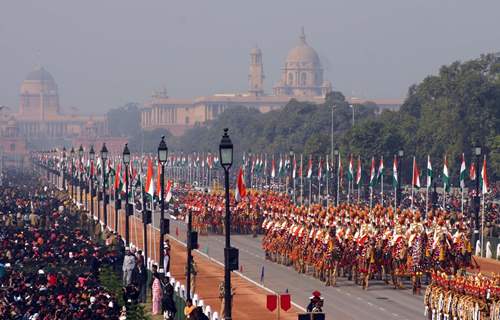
[(301, 79), (39, 96), (40, 118), (302, 74)]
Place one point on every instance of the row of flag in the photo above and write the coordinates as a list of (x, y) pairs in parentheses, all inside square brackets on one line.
[(483, 178)]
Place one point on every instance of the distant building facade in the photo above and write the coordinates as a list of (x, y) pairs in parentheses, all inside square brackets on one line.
[(301, 79), (40, 122)]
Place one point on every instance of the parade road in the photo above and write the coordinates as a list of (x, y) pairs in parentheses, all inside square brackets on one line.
[(345, 301)]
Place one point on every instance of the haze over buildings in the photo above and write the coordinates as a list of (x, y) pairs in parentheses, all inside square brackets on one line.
[(106, 53)]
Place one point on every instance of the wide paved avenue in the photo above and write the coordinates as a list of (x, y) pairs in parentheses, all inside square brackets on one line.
[(345, 301)]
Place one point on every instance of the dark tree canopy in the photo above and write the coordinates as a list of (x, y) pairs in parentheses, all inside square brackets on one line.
[(124, 121), (447, 113)]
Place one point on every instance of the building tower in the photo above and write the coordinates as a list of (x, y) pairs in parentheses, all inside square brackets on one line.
[(256, 76), (302, 74), (39, 96)]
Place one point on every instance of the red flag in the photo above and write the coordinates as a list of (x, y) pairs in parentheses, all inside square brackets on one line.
[(472, 171), (117, 175), (158, 181), (286, 302), (272, 302), (241, 190)]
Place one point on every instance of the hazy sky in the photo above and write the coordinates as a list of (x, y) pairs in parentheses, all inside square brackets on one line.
[(104, 53)]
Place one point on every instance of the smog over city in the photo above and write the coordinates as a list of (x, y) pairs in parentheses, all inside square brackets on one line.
[(258, 159)]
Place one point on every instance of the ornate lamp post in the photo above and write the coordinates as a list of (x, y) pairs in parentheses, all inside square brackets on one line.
[(80, 182), (63, 165), (126, 161), (230, 254), (92, 159), (162, 157), (104, 157), (72, 180)]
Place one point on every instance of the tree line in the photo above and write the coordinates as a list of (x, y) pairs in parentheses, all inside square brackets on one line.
[(446, 114)]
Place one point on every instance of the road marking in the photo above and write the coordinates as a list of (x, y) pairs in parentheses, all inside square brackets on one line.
[(381, 309), (370, 304), (395, 314)]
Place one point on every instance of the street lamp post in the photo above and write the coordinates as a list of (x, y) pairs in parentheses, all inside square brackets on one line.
[(335, 175), (80, 155), (226, 160), (292, 179), (72, 180), (104, 157), (64, 169), (162, 157), (92, 158), (477, 152), (126, 161), (401, 154), (189, 256)]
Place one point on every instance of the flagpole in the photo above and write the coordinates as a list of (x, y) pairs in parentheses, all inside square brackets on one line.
[(348, 191), (462, 200), (338, 182), (326, 178), (301, 183), (294, 178), (382, 184), (482, 224), (371, 198), (319, 181), (359, 191), (426, 200), (310, 192), (444, 198), (412, 182)]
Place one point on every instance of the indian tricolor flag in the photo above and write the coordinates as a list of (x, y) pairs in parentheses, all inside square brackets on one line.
[(463, 172), (430, 173), (381, 169), (240, 192), (446, 175), (373, 178), (350, 171), (310, 168), (149, 186), (395, 172), (485, 183), (416, 174), (358, 173)]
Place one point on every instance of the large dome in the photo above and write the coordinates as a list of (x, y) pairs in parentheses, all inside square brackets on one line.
[(39, 74), (303, 53), (37, 81)]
